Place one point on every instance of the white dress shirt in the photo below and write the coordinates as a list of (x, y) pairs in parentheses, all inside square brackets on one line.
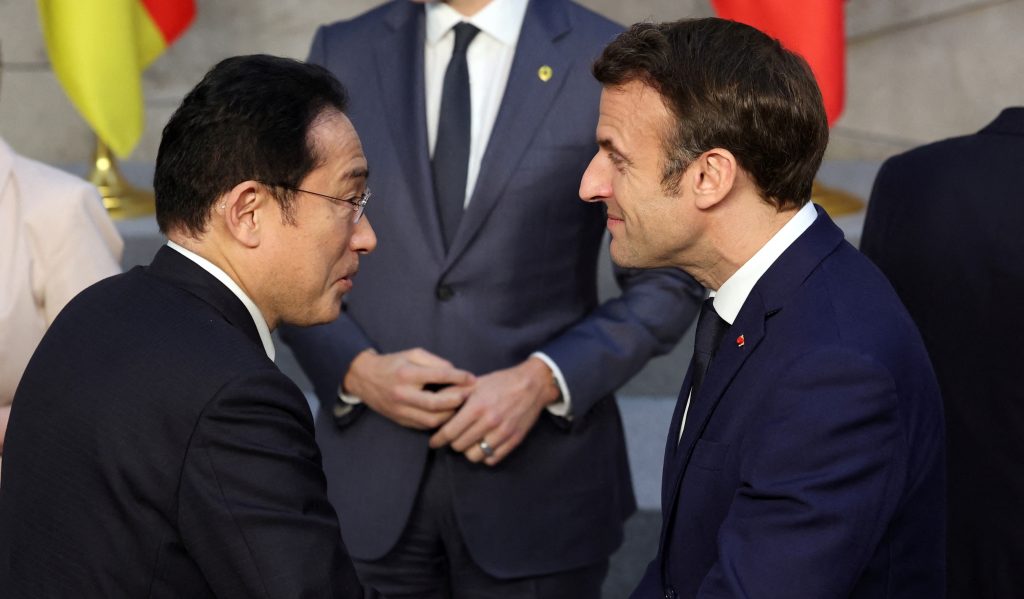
[(730, 297), (254, 311), (489, 58)]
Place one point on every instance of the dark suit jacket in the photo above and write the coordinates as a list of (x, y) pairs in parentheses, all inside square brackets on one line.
[(520, 276), (811, 461), (944, 224), (155, 451)]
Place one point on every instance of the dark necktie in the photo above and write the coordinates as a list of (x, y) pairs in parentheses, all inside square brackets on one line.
[(451, 151), (710, 329)]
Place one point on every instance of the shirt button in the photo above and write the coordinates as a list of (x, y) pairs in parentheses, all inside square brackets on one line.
[(444, 293), (670, 593)]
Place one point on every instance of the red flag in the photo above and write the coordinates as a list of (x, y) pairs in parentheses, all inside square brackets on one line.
[(812, 29)]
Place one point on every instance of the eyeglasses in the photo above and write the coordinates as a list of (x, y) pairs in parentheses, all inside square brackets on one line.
[(358, 205)]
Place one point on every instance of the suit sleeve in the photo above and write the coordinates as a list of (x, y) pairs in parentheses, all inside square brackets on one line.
[(820, 479), (606, 348), (326, 351), (253, 509)]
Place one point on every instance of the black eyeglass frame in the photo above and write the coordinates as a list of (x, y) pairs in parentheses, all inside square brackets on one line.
[(358, 206)]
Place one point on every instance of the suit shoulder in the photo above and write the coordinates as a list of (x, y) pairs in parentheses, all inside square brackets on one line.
[(191, 329), (593, 24), (362, 25), (934, 154), (864, 307)]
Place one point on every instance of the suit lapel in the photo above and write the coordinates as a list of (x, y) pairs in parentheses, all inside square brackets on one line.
[(525, 101), (399, 60), (768, 297), (728, 360), (174, 268)]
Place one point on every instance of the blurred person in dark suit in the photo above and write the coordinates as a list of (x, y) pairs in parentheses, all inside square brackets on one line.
[(478, 117), (944, 225), (154, 448), (804, 458)]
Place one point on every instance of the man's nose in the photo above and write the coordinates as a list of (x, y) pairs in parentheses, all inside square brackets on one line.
[(595, 185), (364, 240)]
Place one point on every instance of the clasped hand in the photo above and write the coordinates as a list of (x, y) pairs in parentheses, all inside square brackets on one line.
[(500, 407)]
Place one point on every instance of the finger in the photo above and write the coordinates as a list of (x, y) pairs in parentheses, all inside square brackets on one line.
[(472, 436), (422, 357), (451, 430), (453, 394), (475, 454), (502, 451), (426, 421), (427, 401), (416, 374)]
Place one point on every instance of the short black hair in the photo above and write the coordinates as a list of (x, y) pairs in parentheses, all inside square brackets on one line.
[(730, 86), (249, 118)]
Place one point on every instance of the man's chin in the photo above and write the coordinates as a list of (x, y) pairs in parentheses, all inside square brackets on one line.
[(313, 318), (624, 259)]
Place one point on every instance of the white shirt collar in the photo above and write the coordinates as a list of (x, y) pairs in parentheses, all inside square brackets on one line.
[(733, 293), (501, 19), (257, 316)]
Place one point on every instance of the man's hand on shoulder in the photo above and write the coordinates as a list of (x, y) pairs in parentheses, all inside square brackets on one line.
[(501, 410), (392, 385)]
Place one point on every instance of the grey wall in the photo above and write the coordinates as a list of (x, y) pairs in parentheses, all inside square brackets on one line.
[(918, 70)]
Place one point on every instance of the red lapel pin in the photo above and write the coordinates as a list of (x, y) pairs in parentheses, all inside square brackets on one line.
[(740, 341)]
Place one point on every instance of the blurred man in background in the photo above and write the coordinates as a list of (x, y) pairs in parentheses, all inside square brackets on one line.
[(944, 225), (478, 118)]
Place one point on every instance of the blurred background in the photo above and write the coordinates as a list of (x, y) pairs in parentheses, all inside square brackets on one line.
[(917, 70)]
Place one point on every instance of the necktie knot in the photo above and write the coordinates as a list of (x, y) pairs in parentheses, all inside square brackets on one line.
[(464, 34)]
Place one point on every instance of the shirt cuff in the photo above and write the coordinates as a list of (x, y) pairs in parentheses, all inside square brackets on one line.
[(563, 407), (345, 403)]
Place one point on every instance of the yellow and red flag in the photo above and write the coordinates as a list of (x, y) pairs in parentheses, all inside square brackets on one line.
[(99, 48), (812, 29)]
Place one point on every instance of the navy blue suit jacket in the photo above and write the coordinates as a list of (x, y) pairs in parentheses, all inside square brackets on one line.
[(155, 451), (811, 460), (520, 276), (944, 225)]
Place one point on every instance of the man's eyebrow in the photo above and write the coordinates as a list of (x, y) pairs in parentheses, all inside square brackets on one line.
[(360, 172)]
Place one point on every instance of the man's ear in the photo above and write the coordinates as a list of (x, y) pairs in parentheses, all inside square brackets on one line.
[(713, 177), (243, 212)]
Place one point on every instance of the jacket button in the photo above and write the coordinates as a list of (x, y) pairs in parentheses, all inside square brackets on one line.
[(670, 593), (444, 293)]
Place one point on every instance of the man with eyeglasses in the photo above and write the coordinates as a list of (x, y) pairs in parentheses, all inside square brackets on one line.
[(154, 448), (478, 116)]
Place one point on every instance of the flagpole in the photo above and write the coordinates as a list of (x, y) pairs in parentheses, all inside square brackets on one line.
[(121, 199)]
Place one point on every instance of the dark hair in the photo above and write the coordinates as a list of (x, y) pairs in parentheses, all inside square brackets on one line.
[(249, 118), (728, 86)]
